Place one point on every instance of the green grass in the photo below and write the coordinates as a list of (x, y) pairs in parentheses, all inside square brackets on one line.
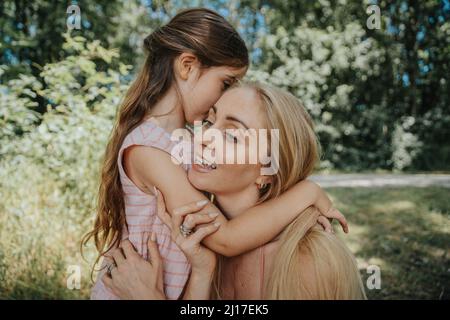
[(405, 231)]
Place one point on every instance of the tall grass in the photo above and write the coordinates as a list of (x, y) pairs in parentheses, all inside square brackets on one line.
[(49, 166)]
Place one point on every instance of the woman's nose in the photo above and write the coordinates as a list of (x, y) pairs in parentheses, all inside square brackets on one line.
[(210, 133), (209, 141)]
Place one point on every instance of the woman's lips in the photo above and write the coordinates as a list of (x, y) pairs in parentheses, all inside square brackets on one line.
[(200, 168), (203, 165)]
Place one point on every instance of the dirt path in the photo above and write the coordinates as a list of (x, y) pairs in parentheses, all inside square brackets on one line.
[(382, 180)]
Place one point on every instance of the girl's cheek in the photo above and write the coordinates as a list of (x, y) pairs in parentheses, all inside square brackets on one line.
[(216, 92)]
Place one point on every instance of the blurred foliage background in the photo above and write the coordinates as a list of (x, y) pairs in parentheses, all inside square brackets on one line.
[(380, 98)]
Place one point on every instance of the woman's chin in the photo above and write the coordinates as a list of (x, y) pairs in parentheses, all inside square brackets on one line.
[(201, 179)]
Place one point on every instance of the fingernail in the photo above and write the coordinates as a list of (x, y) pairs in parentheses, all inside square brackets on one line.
[(202, 202), (213, 214), (155, 190), (216, 224), (153, 237)]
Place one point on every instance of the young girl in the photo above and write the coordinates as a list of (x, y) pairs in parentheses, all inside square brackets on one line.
[(191, 61)]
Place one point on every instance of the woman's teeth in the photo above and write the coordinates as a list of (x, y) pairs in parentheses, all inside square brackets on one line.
[(206, 164)]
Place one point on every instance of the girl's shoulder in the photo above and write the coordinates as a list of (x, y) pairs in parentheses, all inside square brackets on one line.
[(150, 134)]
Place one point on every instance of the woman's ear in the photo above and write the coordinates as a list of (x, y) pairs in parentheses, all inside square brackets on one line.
[(184, 64)]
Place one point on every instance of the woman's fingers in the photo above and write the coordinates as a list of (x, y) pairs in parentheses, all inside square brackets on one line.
[(181, 212), (203, 232), (118, 256), (128, 249), (161, 209), (191, 207), (153, 251), (108, 259), (325, 223), (108, 281), (194, 219), (336, 214)]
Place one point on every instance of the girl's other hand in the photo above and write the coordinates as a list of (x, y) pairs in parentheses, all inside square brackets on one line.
[(333, 213), (327, 211)]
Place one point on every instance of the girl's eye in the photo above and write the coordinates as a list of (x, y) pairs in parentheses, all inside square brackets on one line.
[(206, 123), (226, 85)]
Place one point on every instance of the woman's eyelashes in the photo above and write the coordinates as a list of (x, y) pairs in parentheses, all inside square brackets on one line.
[(231, 137), (207, 123)]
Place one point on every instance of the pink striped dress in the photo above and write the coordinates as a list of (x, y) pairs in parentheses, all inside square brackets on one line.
[(140, 209)]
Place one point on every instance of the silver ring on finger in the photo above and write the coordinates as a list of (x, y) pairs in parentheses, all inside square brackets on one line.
[(185, 231)]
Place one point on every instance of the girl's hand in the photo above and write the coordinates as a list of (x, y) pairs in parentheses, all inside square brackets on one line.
[(328, 212), (325, 220), (201, 258), (133, 278)]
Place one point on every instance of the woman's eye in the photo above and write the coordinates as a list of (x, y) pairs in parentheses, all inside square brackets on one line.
[(231, 138), (206, 123)]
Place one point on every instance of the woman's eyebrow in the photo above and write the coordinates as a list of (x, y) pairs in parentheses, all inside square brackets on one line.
[(231, 118)]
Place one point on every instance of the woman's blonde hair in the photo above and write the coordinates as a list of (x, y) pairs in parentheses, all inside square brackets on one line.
[(310, 263)]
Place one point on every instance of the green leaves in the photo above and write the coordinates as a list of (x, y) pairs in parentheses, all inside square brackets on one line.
[(324, 68), (49, 161)]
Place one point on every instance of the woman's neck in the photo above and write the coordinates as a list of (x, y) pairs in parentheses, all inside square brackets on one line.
[(233, 204), (168, 112)]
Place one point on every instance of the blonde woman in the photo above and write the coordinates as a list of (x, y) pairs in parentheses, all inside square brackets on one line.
[(303, 262)]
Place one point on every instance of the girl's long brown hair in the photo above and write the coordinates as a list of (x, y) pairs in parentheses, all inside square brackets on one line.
[(199, 31)]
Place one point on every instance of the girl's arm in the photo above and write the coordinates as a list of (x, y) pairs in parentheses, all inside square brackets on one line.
[(203, 261), (251, 229)]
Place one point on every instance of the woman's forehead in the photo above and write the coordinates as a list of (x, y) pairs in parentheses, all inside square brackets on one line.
[(242, 103), (244, 95)]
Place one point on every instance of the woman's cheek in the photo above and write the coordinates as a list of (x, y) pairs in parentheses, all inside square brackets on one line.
[(237, 176)]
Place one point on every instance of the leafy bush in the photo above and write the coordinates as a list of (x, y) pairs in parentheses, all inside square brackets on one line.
[(325, 69), (49, 166)]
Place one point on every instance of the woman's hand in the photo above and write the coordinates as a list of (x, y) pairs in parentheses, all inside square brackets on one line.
[(133, 278), (201, 258)]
